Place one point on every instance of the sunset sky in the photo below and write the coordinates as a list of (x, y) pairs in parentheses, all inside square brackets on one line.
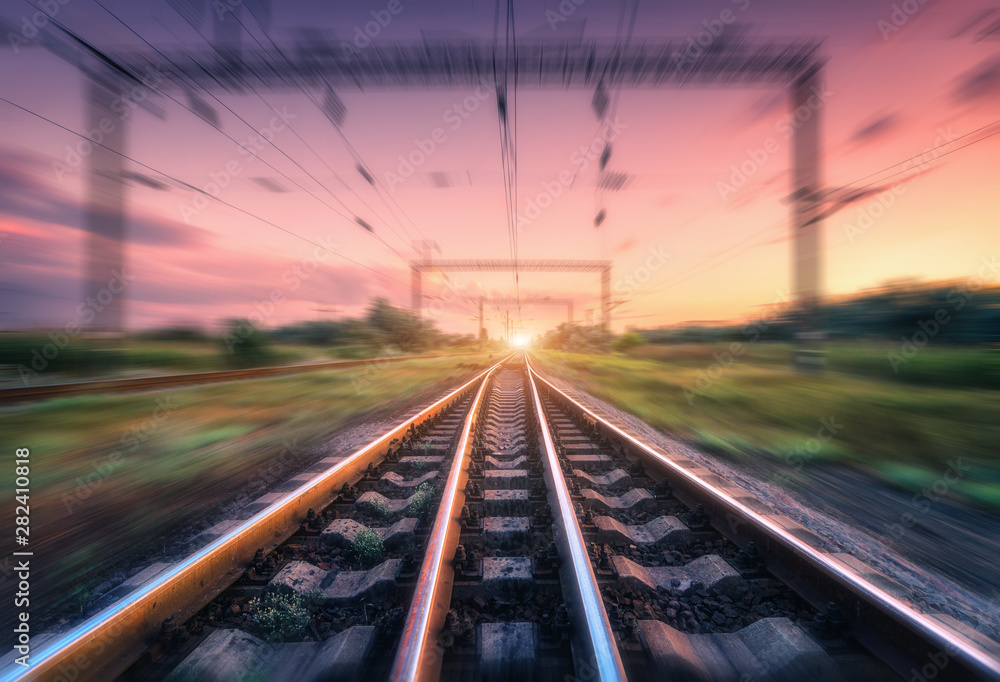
[(890, 95)]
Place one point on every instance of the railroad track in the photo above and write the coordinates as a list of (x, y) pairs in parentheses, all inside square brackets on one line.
[(507, 532)]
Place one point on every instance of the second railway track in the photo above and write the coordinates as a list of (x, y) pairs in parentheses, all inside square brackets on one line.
[(516, 535)]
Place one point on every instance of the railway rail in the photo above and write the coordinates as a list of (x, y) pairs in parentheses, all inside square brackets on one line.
[(508, 532)]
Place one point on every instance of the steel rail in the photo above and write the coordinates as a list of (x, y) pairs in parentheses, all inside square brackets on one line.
[(19, 393), (103, 646), (418, 657), (592, 627), (964, 659)]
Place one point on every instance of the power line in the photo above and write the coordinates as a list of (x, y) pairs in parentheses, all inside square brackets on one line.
[(353, 220), (940, 146), (356, 220), (514, 187), (950, 151), (371, 179), (674, 281), (407, 238), (192, 187), (506, 110)]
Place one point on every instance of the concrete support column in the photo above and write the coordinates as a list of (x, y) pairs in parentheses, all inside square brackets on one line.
[(482, 329), (105, 283), (417, 296), (606, 299), (807, 222)]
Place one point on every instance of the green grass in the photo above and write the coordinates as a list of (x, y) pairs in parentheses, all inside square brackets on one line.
[(759, 411), (87, 359), (361, 352), (113, 474), (972, 367)]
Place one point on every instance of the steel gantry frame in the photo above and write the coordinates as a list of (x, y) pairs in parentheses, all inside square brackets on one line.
[(418, 267), (731, 59), (568, 302)]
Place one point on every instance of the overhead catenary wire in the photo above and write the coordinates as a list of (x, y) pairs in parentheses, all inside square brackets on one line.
[(380, 190), (356, 219), (353, 219), (200, 191), (506, 112), (511, 133), (359, 161), (679, 278), (514, 176), (921, 155), (915, 157)]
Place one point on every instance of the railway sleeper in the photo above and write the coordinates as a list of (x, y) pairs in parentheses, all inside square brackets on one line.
[(376, 503), (616, 477), (336, 587), (662, 530), (393, 482), (397, 537), (636, 499), (710, 571), (770, 650), (233, 654)]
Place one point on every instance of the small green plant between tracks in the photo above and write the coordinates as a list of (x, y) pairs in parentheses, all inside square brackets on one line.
[(368, 548), (379, 509), (421, 500), (281, 616)]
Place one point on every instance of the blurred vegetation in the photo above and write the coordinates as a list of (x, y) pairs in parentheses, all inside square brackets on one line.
[(627, 342), (385, 330), (947, 366), (758, 410), (942, 314), (577, 339), (929, 334), (246, 345), (880, 315)]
